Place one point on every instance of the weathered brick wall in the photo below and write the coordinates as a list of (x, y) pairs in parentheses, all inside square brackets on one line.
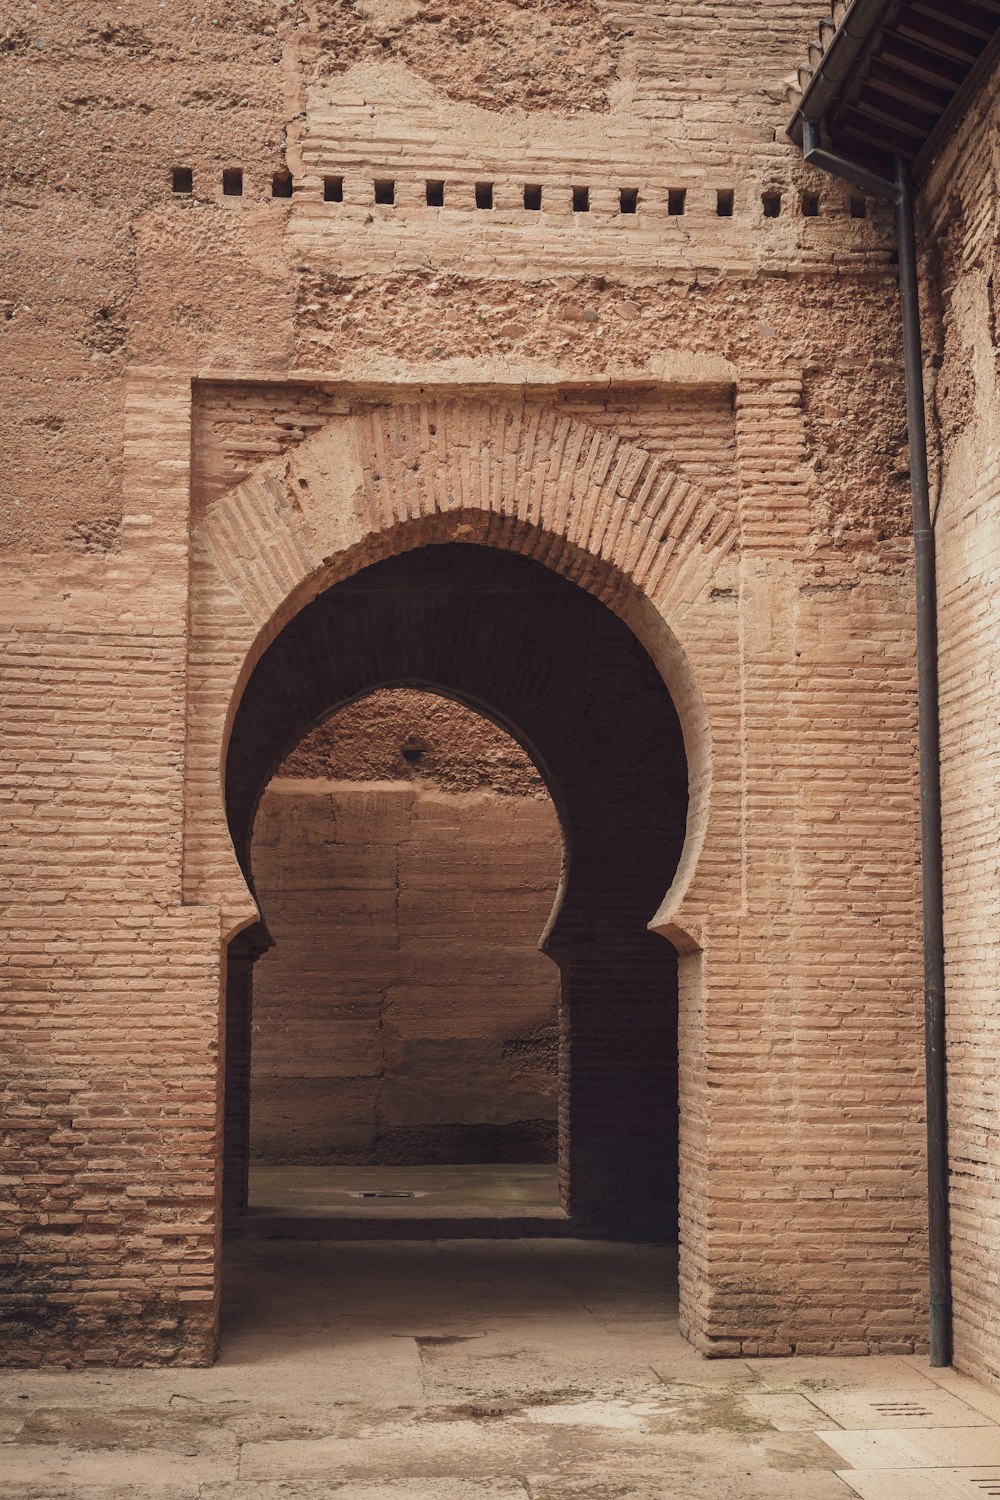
[(404, 1013), (110, 985), (960, 220), (663, 405)]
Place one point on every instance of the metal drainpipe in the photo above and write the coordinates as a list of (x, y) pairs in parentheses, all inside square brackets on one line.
[(930, 782), (925, 570)]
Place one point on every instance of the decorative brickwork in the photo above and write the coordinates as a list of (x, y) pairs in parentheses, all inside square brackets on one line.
[(568, 481), (602, 511)]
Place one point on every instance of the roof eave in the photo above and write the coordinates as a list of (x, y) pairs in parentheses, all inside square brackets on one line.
[(827, 102), (838, 62)]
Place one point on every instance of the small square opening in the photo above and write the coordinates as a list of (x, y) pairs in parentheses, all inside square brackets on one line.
[(181, 180), (771, 202), (533, 196), (232, 182), (385, 190), (724, 200), (484, 195), (676, 201), (333, 190), (281, 184), (810, 204), (628, 200), (435, 194), (859, 207), (581, 200)]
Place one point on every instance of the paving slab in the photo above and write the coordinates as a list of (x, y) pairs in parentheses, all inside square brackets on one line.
[(305, 1489), (442, 1444), (332, 1365), (916, 1448), (734, 1485), (922, 1484), (145, 1471), (983, 1399), (786, 1412), (621, 1416), (188, 1432), (861, 1371), (368, 1489), (685, 1369), (337, 1192), (521, 1364), (933, 1407), (77, 1489), (22, 1390)]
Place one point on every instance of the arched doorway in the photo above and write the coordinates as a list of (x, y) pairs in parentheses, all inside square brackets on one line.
[(566, 676), (404, 1062)]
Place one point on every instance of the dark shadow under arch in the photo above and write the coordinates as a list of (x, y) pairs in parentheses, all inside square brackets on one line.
[(566, 676)]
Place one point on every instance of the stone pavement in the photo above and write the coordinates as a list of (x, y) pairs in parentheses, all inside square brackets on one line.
[(472, 1370), (440, 1202)]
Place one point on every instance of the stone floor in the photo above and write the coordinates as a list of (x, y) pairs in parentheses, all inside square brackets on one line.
[(499, 1370), (466, 1191)]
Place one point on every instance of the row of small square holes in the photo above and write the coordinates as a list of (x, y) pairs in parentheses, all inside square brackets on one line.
[(182, 181)]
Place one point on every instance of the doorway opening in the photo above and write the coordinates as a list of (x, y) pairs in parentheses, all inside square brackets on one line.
[(545, 661), (405, 1036)]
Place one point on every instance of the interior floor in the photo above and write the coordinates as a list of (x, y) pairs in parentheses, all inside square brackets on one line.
[(522, 1370), (376, 1202), (403, 1191)]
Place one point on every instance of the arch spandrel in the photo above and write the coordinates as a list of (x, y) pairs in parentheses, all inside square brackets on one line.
[(602, 512)]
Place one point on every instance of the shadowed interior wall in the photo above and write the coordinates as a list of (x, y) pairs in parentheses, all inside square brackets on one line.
[(554, 665), (407, 855)]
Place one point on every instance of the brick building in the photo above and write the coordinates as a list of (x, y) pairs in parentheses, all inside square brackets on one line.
[(510, 351)]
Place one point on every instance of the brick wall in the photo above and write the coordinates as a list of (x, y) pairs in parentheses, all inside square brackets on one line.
[(662, 406), (959, 213)]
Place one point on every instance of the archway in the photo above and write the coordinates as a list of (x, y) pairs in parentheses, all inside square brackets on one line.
[(501, 469), (568, 678), (404, 1064)]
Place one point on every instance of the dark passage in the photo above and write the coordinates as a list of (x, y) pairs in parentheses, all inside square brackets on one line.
[(557, 669)]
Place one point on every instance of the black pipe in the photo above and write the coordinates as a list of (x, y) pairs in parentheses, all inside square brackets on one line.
[(930, 782), (929, 729)]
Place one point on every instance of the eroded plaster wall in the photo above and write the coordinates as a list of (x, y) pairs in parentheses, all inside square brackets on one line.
[(406, 858), (959, 210)]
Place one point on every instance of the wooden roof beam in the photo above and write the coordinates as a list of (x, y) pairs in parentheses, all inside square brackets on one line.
[(939, 36), (976, 18), (921, 63)]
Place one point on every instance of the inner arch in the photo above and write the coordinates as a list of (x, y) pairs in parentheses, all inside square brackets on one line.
[(406, 856), (543, 656)]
